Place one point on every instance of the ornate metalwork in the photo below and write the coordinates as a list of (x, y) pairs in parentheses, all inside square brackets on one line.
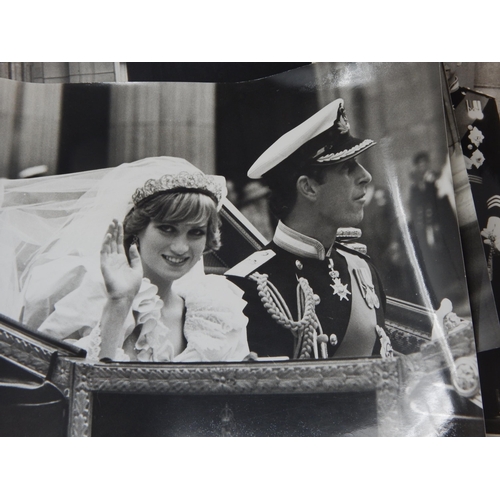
[(342, 376), (25, 352), (381, 376), (400, 384), (34, 356), (80, 414)]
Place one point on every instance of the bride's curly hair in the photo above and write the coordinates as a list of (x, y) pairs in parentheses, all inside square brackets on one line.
[(180, 205)]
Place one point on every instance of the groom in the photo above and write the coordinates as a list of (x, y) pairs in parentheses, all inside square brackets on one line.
[(308, 296)]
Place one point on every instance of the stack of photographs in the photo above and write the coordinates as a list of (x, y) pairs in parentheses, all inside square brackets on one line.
[(416, 283)]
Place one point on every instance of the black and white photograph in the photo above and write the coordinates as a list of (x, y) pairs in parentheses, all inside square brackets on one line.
[(275, 255), (471, 107)]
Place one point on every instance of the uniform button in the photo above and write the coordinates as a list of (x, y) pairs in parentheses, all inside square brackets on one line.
[(333, 339), (299, 265), (317, 298)]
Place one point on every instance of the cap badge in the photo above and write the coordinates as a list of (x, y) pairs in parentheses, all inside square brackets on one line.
[(341, 123)]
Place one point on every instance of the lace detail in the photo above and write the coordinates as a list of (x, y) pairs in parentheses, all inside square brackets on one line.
[(92, 344), (153, 343), (215, 327)]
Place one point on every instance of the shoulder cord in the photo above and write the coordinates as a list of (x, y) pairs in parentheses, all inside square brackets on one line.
[(304, 330)]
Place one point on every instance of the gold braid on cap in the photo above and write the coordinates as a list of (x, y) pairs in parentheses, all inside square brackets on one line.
[(182, 180)]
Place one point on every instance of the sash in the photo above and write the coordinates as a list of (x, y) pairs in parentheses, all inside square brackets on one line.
[(361, 335)]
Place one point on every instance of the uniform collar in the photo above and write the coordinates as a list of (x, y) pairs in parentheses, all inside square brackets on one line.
[(297, 243)]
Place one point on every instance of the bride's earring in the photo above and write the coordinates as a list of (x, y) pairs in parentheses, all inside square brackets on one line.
[(135, 241)]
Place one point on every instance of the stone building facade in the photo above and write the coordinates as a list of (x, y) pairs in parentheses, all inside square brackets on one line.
[(64, 72)]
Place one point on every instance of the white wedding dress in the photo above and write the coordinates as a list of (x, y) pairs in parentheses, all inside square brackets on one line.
[(51, 232), (214, 324)]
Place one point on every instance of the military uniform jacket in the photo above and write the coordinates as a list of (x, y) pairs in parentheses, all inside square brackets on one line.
[(348, 307), (479, 128), (478, 124)]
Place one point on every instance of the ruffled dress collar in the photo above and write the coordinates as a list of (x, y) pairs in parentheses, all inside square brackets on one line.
[(152, 343)]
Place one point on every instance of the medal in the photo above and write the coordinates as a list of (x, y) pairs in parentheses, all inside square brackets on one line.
[(386, 350), (338, 287), (363, 278), (369, 300)]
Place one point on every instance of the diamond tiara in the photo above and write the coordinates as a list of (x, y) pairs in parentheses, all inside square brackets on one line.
[(183, 180)]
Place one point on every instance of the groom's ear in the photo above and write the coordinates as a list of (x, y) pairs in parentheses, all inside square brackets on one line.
[(307, 187)]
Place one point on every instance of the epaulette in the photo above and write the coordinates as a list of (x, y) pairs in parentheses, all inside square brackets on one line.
[(250, 264), (347, 234), (359, 249)]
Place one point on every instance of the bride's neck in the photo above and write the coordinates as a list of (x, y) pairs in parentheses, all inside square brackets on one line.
[(165, 291)]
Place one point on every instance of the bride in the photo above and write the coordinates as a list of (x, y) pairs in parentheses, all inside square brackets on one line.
[(140, 293)]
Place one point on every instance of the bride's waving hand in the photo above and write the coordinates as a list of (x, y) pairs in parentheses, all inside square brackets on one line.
[(121, 277), (123, 281), (139, 294)]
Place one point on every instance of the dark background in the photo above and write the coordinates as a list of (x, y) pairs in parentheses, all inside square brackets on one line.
[(205, 71)]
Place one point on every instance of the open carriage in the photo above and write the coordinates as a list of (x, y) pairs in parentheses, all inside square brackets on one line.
[(431, 386)]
